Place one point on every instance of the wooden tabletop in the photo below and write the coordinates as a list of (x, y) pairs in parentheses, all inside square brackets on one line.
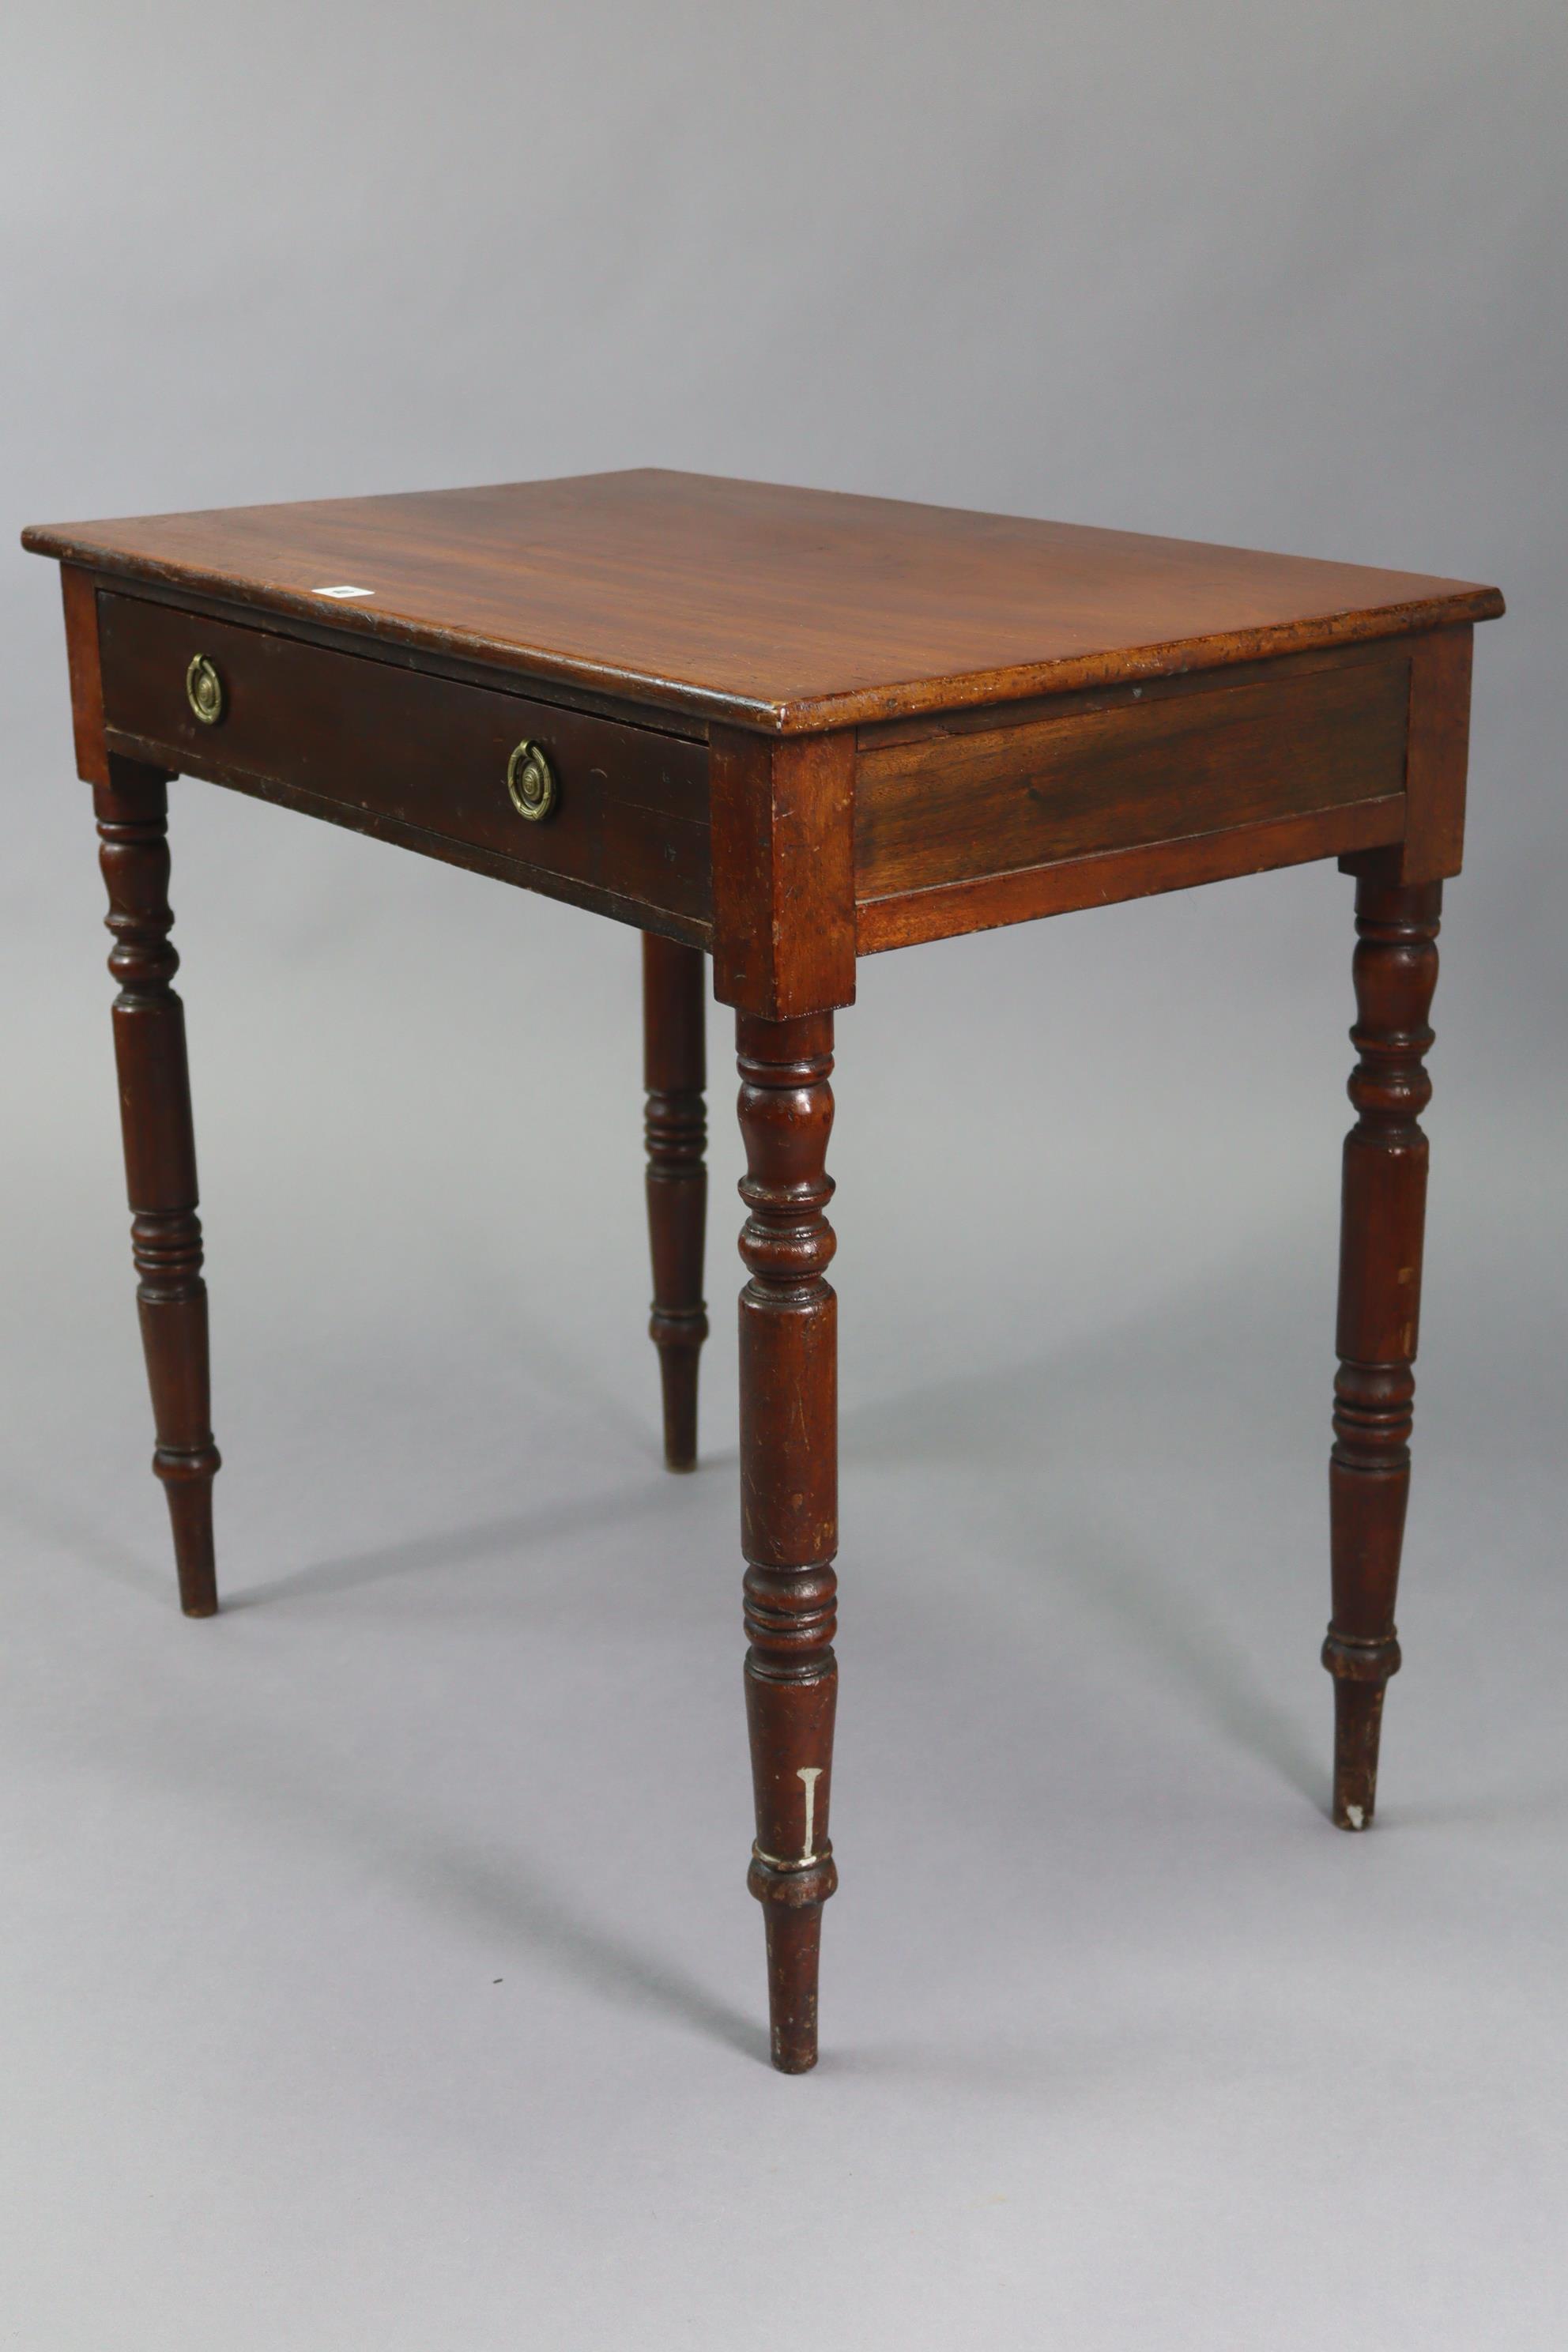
[(794, 611)]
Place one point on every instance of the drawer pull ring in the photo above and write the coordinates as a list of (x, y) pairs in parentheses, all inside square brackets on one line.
[(203, 690), (530, 780)]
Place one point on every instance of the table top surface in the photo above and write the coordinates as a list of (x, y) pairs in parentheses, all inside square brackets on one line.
[(790, 610)]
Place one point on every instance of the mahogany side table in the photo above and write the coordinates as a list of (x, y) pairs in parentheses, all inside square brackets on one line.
[(786, 729)]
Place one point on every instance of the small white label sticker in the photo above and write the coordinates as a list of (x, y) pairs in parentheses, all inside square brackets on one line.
[(811, 1774), (343, 591)]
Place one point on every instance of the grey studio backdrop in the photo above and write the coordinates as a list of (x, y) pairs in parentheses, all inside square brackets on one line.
[(376, 1963)]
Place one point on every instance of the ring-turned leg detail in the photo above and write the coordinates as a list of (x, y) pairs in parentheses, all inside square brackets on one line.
[(789, 1501), (159, 1162), (1382, 1218), (675, 1074)]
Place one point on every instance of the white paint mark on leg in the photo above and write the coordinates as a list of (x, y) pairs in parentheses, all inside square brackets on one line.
[(811, 1774), (1355, 1815)]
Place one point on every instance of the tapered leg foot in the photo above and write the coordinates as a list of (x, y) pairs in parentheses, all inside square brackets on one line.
[(677, 1385), (190, 1500), (794, 1930), (1382, 1226), (1358, 1722), (675, 1076), (159, 1164), (789, 1503)]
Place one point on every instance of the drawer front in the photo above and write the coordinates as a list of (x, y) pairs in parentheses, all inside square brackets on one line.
[(424, 758), (1118, 772)]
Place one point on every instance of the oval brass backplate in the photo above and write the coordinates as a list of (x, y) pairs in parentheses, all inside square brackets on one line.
[(203, 690), (530, 780)]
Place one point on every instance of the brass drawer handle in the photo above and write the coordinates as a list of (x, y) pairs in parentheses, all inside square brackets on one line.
[(203, 690), (530, 780)]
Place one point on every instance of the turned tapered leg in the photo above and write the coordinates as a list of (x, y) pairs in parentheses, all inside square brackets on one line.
[(159, 1162), (1382, 1215), (789, 1501), (675, 1074)]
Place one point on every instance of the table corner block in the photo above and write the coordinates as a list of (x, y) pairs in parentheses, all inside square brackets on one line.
[(78, 595), (784, 871)]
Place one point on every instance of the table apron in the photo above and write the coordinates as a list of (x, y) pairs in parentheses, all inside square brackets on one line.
[(1113, 796), (420, 760)]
